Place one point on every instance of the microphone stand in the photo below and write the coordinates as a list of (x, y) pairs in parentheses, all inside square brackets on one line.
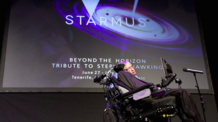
[(201, 97)]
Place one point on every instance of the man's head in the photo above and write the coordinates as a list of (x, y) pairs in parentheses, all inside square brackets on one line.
[(127, 67)]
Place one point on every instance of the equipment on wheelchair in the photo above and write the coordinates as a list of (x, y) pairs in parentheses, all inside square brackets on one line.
[(128, 105), (169, 76)]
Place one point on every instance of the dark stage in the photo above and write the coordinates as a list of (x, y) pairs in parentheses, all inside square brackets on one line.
[(69, 107)]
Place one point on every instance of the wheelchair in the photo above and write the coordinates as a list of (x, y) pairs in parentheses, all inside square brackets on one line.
[(125, 105)]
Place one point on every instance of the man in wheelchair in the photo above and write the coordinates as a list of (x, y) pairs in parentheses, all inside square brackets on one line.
[(132, 99)]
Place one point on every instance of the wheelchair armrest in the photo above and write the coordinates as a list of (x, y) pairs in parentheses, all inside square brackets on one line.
[(137, 90), (157, 93)]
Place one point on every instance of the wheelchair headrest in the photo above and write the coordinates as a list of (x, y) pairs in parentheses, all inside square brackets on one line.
[(118, 67)]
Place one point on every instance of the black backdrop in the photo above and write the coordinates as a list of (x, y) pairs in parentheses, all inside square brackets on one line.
[(35, 107)]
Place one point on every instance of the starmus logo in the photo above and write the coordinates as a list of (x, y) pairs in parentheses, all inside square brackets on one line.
[(91, 6)]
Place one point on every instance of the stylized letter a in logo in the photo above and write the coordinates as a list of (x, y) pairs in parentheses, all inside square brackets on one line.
[(90, 5)]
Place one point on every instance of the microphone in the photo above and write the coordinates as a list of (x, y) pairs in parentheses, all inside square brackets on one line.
[(192, 70)]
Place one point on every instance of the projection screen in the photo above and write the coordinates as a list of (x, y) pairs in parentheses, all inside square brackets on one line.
[(61, 45)]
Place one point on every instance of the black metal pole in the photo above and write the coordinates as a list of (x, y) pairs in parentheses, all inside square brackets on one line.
[(201, 97)]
